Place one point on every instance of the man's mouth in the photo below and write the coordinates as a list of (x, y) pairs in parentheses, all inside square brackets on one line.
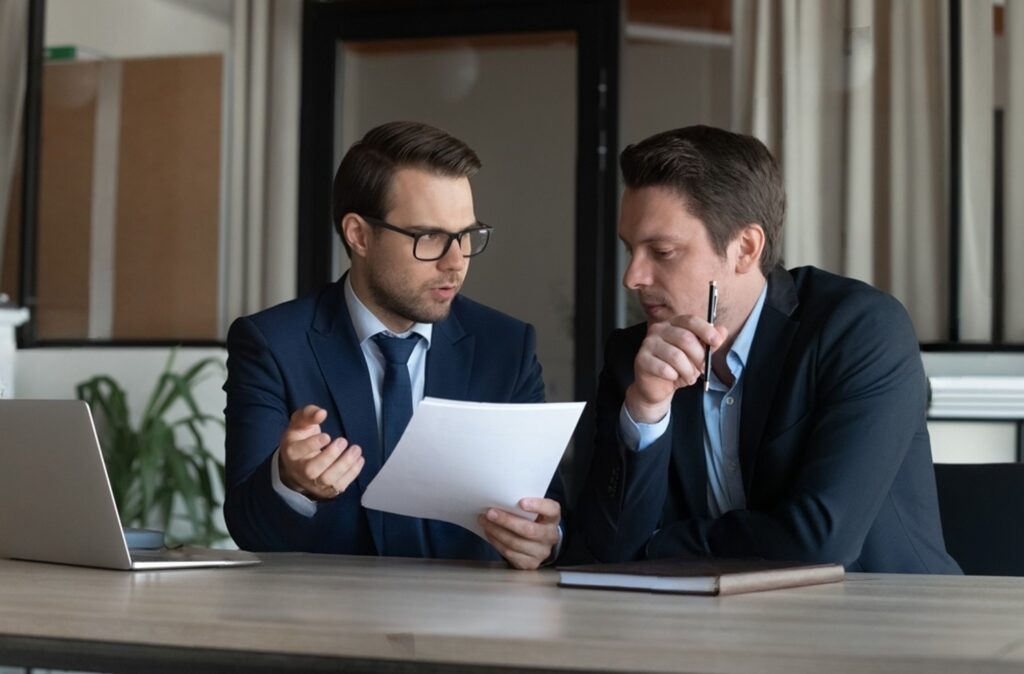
[(654, 307), (655, 310), (444, 291)]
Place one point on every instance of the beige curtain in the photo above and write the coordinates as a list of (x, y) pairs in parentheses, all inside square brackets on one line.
[(13, 48), (977, 178), (261, 232), (851, 96), (1013, 117)]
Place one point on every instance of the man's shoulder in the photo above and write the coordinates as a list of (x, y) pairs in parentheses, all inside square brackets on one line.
[(290, 317), (822, 292), (842, 308)]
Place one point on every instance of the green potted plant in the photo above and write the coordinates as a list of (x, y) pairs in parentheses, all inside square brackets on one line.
[(161, 472)]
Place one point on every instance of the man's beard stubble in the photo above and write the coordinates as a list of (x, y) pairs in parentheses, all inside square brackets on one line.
[(396, 299)]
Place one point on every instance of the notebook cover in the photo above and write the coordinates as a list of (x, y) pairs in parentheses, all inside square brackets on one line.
[(712, 576)]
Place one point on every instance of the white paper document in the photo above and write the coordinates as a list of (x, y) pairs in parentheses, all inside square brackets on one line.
[(456, 459)]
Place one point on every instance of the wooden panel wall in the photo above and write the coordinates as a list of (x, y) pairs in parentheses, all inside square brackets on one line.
[(65, 199), (168, 199), (12, 238)]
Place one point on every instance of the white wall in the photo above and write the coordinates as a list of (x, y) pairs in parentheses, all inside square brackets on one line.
[(128, 28), (668, 85), (54, 372), (515, 105), (973, 441)]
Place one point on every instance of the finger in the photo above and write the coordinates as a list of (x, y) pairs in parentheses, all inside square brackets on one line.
[(522, 527), (299, 450), (514, 557), (308, 469), (512, 543), (522, 562), (340, 473), (671, 365), (685, 353), (681, 339), (342, 483), (549, 510), (310, 415), (724, 333), (707, 333)]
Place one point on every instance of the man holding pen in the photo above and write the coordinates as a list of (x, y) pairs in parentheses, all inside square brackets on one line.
[(810, 442)]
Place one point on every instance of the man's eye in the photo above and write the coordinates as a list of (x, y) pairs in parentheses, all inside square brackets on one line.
[(662, 253), (432, 236)]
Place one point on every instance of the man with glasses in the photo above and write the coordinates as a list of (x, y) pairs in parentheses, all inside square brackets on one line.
[(320, 388)]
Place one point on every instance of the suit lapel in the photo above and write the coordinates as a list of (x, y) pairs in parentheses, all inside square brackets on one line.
[(450, 359), (688, 448), (774, 334), (341, 361)]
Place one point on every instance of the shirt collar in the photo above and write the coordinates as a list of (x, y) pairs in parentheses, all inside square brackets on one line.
[(737, 357), (367, 325)]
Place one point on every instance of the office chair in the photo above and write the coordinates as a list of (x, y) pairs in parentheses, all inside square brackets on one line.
[(982, 511)]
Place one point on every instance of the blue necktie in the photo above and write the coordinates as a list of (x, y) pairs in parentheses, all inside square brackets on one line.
[(403, 536)]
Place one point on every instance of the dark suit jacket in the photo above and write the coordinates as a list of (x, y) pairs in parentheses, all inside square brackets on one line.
[(833, 445), (306, 351)]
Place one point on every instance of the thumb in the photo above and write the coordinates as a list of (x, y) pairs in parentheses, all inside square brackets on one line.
[(307, 418)]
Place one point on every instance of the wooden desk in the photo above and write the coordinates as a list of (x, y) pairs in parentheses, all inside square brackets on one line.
[(320, 613)]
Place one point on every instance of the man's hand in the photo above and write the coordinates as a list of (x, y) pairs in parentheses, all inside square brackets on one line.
[(313, 464), (525, 544), (671, 357)]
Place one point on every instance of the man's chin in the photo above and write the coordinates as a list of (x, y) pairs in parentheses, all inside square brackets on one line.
[(431, 312)]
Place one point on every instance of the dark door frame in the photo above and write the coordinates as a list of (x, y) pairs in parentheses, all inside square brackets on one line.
[(596, 24)]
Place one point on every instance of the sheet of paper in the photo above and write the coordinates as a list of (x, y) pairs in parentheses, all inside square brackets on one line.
[(456, 459)]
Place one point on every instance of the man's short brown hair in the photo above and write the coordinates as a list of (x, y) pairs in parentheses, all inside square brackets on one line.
[(725, 179), (362, 184)]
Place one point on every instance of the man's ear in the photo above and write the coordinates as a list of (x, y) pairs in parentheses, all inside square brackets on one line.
[(356, 233), (749, 246)]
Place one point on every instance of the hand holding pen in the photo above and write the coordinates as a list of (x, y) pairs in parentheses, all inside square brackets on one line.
[(674, 354)]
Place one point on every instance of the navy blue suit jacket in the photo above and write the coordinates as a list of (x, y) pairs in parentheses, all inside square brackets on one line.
[(306, 352), (833, 444)]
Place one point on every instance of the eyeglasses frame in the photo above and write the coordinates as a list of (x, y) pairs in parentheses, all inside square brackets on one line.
[(415, 236)]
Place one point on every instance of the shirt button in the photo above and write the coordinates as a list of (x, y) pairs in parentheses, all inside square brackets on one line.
[(732, 466), (730, 400)]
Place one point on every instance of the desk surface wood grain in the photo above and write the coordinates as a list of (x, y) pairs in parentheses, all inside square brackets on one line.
[(451, 613)]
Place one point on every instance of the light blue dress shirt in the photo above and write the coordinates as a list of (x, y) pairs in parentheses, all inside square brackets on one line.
[(367, 325), (722, 407)]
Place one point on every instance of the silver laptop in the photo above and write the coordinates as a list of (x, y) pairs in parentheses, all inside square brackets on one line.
[(56, 504)]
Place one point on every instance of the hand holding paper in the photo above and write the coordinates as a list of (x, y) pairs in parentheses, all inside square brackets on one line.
[(524, 543), (458, 459)]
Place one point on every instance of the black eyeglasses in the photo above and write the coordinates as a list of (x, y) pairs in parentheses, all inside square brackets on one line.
[(433, 244)]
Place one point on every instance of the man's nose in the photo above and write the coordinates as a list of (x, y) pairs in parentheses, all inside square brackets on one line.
[(636, 275)]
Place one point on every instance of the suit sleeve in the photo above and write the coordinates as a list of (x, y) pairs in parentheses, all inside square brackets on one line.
[(529, 387), (624, 494), (870, 401), (257, 413)]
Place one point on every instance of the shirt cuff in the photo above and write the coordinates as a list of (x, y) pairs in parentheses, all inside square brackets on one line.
[(555, 551), (294, 499), (638, 436)]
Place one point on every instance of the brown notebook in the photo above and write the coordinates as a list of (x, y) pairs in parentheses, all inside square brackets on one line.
[(700, 576)]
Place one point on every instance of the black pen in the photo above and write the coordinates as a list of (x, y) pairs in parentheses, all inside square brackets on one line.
[(712, 315)]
